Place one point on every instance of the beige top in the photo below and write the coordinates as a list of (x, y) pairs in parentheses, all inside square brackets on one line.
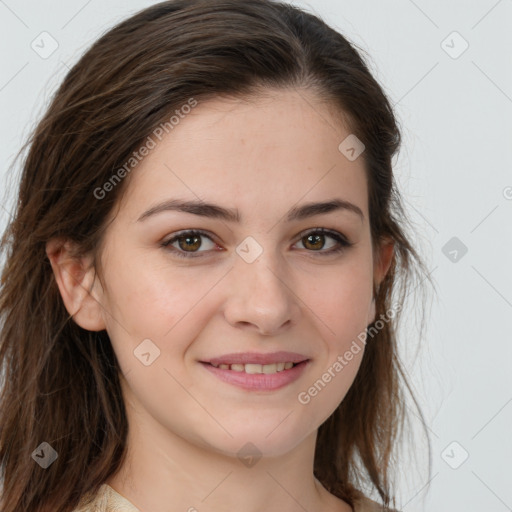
[(109, 500)]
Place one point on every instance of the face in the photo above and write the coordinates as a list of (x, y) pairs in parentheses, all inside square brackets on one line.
[(269, 282)]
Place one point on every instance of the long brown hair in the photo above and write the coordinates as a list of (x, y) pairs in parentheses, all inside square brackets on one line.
[(60, 382)]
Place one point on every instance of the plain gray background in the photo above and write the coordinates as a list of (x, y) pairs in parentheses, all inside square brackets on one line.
[(453, 96)]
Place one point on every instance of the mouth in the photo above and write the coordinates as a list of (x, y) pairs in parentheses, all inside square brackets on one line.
[(254, 368), (257, 377)]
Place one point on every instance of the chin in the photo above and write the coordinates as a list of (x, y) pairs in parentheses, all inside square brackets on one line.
[(257, 441)]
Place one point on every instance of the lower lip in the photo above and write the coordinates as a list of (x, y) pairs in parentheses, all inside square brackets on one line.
[(258, 381)]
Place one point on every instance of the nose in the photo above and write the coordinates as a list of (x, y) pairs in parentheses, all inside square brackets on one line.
[(261, 296)]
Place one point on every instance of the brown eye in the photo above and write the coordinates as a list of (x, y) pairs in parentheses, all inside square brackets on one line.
[(314, 241), (189, 243)]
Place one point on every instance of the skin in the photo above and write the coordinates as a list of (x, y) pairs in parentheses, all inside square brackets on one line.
[(263, 157)]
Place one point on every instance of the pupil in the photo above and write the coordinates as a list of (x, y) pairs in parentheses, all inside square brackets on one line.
[(190, 244), (317, 237)]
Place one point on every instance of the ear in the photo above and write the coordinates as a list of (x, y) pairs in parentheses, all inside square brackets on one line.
[(383, 260), (75, 279)]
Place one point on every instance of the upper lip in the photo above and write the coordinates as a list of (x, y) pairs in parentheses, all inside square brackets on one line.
[(258, 358)]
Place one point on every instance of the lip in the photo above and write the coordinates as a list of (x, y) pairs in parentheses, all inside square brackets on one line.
[(258, 381), (258, 358)]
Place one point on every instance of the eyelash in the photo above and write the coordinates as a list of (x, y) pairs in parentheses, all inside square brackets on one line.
[(342, 241)]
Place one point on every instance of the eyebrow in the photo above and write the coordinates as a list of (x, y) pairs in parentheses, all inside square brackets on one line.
[(215, 211)]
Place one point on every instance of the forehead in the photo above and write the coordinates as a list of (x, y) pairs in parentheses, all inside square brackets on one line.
[(258, 154)]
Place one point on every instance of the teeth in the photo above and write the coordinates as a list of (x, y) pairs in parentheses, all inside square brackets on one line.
[(256, 368)]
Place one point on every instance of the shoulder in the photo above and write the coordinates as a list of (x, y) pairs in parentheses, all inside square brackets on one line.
[(364, 504), (107, 500)]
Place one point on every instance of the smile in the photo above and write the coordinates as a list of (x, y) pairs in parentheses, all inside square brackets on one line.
[(256, 368), (258, 377)]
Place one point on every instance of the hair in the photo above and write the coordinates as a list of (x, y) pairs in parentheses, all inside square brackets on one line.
[(60, 382)]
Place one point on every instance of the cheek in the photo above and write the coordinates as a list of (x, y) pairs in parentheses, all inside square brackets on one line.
[(341, 314), (168, 307), (151, 299), (341, 302)]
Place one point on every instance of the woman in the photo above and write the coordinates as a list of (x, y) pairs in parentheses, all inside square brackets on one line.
[(197, 297)]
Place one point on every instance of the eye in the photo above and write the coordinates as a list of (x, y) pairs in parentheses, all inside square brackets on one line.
[(314, 239), (189, 242)]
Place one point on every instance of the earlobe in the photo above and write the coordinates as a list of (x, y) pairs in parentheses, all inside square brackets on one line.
[(387, 253), (75, 278), (373, 312), (384, 259), (382, 265)]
